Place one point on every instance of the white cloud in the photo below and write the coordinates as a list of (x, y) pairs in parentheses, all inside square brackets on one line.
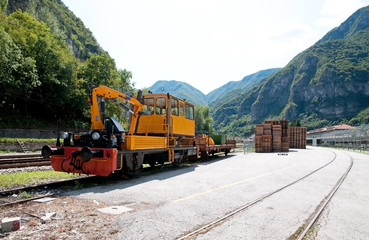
[(335, 12)]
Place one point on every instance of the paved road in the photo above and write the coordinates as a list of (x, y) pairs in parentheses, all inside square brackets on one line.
[(168, 205)]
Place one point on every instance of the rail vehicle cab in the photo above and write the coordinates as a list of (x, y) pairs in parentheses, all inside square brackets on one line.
[(164, 114)]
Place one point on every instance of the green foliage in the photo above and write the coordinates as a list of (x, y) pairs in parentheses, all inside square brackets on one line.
[(361, 118), (233, 106), (203, 120), (3, 5), (313, 121), (101, 69), (24, 195), (43, 84), (63, 24), (295, 123), (238, 126), (18, 74), (14, 140), (125, 77)]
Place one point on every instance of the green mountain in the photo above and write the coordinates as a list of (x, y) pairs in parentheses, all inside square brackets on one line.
[(325, 84), (62, 23), (245, 83), (181, 90), (186, 91)]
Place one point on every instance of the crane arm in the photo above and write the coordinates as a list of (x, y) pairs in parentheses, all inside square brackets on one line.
[(102, 91)]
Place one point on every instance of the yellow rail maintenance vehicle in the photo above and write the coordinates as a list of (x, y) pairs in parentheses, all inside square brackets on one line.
[(161, 129)]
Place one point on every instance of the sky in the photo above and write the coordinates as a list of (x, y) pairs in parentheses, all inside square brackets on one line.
[(207, 43)]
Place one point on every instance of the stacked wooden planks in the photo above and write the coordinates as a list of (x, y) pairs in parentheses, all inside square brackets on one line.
[(277, 138), (298, 137), (285, 136), (272, 136), (263, 138)]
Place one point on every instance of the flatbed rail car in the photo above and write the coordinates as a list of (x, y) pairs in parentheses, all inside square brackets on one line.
[(206, 146)]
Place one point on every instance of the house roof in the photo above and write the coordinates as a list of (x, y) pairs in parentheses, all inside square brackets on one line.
[(331, 128)]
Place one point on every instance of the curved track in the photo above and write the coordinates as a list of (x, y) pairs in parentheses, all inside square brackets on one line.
[(307, 226), (316, 215)]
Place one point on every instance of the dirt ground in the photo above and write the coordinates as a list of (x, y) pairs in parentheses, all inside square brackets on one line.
[(73, 219)]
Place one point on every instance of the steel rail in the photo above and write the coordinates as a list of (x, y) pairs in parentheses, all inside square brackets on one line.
[(326, 200), (4, 160), (213, 224), (26, 164), (11, 191), (18, 161), (9, 203), (6, 156), (81, 179)]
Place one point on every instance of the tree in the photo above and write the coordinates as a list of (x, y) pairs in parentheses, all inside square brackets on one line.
[(295, 123), (3, 6), (49, 88), (125, 80), (101, 69), (203, 120), (18, 74)]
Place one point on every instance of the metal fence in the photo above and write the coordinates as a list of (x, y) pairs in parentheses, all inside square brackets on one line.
[(352, 139)]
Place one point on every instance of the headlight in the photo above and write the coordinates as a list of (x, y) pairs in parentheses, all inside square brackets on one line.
[(64, 135), (95, 136)]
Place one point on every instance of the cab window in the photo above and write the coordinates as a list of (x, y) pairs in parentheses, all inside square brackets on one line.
[(174, 106), (182, 109), (160, 106), (149, 106), (189, 112)]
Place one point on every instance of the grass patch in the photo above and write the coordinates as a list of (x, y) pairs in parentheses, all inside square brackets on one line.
[(5, 151), (24, 195), (11, 180), (14, 140)]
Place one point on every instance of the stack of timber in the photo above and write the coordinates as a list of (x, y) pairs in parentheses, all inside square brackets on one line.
[(277, 138), (298, 137), (272, 136), (263, 138)]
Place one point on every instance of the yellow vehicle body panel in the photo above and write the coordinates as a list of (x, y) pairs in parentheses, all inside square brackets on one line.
[(182, 126), (152, 124), (134, 142)]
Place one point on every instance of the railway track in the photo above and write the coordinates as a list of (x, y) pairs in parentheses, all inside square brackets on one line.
[(302, 232), (54, 185), (308, 226), (5, 200), (24, 160)]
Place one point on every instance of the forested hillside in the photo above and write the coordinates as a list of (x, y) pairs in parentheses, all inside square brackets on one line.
[(326, 84), (186, 91), (221, 93), (62, 24), (181, 90), (49, 60)]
